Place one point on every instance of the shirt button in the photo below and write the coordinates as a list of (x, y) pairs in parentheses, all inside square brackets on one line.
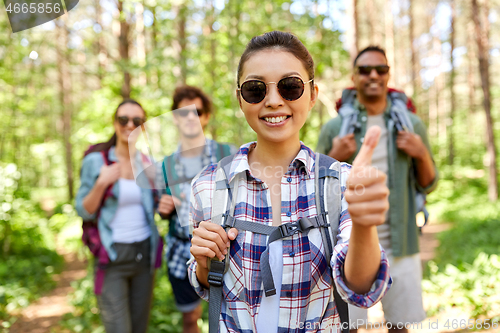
[(363, 118), (361, 140), (288, 214), (289, 179), (292, 254), (138, 258)]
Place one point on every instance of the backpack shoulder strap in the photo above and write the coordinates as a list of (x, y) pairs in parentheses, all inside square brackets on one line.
[(109, 191), (400, 112), (221, 201), (222, 150), (222, 192), (348, 113), (170, 175), (329, 204)]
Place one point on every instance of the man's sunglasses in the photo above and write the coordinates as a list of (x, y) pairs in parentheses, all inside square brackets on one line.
[(290, 88), (184, 113), (123, 120), (367, 70)]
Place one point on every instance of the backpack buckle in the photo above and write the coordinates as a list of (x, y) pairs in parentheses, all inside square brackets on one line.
[(289, 229), (216, 272)]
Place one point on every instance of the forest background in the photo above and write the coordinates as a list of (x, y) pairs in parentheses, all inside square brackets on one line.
[(61, 82)]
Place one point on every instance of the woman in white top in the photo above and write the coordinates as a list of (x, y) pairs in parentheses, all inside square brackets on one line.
[(124, 213)]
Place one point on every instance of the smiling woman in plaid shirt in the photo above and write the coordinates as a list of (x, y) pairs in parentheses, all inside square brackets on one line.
[(275, 180)]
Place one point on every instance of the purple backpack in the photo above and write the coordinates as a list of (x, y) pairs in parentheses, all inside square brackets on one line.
[(90, 235)]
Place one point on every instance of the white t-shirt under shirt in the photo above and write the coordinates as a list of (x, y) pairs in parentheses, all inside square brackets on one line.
[(267, 319), (129, 224), (380, 160)]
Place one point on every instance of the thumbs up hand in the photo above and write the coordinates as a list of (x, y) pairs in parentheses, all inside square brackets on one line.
[(367, 192)]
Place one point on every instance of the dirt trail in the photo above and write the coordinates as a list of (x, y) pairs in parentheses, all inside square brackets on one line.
[(47, 311)]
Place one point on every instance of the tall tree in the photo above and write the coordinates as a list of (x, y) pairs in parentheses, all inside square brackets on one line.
[(182, 41), (482, 36), (413, 50), (124, 45), (374, 32), (471, 57), (451, 153), (65, 88), (141, 41), (389, 41), (354, 29)]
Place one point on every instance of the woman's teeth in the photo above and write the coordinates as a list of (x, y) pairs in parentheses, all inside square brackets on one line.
[(275, 119)]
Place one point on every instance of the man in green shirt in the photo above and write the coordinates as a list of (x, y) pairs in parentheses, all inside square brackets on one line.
[(406, 158)]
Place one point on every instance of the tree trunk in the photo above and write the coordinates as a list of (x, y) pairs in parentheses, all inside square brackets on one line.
[(182, 42), (414, 82), (451, 153), (98, 44), (389, 41), (141, 41), (123, 41), (213, 60), (482, 33), (65, 100), (154, 33), (372, 22), (471, 57), (354, 30)]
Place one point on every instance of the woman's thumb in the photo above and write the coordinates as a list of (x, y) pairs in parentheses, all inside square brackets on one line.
[(232, 233)]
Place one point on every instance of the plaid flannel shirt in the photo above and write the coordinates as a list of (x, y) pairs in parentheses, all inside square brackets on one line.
[(178, 245), (306, 300)]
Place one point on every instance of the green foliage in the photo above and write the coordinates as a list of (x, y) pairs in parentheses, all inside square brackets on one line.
[(466, 270), (27, 247), (474, 287), (461, 199)]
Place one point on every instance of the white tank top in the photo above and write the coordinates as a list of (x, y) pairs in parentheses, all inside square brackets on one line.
[(129, 225)]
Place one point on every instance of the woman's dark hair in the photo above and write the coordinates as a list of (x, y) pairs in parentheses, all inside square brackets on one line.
[(112, 141), (190, 93), (280, 40)]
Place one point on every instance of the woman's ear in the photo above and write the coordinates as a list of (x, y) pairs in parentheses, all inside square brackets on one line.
[(238, 97), (314, 96)]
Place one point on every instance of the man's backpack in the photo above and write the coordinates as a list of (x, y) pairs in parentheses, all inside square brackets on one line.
[(173, 180), (327, 220), (401, 105)]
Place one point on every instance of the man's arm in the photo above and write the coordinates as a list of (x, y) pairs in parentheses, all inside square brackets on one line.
[(417, 146), (328, 132)]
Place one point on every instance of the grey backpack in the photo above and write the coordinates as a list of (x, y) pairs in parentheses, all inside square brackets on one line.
[(400, 120), (327, 171)]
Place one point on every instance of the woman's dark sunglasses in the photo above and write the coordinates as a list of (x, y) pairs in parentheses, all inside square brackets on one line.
[(290, 88), (123, 120), (366, 70), (184, 113)]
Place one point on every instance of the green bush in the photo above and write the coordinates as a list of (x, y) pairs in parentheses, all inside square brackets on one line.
[(474, 287), (466, 270), (27, 247)]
